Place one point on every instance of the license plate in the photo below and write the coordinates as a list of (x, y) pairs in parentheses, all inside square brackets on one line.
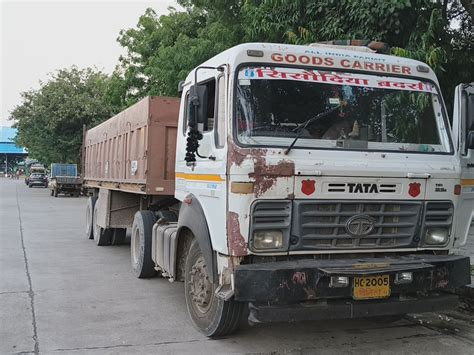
[(371, 287)]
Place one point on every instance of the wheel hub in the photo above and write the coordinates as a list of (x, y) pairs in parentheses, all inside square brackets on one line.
[(200, 286)]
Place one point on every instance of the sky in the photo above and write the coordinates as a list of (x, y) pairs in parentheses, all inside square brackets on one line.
[(39, 37)]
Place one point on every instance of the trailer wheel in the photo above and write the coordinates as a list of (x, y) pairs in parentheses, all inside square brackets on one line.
[(118, 236), (211, 316), (142, 263), (89, 216), (102, 236)]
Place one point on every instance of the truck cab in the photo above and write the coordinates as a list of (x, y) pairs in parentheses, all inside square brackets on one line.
[(321, 182), (298, 182)]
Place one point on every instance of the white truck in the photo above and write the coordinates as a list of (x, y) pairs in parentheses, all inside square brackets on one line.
[(310, 182)]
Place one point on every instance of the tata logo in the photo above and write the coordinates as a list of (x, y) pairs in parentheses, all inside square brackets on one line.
[(360, 225), (363, 188)]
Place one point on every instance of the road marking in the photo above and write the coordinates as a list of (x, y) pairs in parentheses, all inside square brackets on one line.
[(31, 293)]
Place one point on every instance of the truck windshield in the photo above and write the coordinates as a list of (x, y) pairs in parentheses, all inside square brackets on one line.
[(367, 112)]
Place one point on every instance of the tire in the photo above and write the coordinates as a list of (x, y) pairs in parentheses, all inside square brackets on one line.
[(211, 316), (89, 216), (29, 185), (118, 236), (140, 249), (52, 192), (102, 236)]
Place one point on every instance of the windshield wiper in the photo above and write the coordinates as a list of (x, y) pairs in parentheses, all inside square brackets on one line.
[(310, 121)]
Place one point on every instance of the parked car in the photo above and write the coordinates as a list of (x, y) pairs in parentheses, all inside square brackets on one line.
[(38, 179)]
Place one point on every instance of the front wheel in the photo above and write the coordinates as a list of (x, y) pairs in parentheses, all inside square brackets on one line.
[(211, 316)]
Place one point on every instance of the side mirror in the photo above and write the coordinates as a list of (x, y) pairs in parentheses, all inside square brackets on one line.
[(470, 140), (198, 107)]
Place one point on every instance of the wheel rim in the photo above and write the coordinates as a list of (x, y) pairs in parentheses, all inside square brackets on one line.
[(135, 245), (200, 287)]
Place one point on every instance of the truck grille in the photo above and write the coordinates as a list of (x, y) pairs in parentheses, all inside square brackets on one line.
[(438, 214), (322, 224)]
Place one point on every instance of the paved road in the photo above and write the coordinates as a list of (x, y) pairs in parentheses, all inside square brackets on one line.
[(59, 293)]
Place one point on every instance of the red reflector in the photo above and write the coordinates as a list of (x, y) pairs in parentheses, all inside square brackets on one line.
[(457, 189)]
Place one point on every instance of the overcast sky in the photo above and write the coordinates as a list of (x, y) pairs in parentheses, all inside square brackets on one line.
[(38, 37)]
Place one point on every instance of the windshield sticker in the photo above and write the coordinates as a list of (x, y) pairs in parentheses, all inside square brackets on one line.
[(335, 79)]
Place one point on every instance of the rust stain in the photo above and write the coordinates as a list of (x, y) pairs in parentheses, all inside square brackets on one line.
[(237, 155), (442, 284), (235, 241), (291, 196), (264, 175)]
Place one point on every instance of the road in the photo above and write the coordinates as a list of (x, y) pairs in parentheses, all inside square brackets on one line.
[(61, 294)]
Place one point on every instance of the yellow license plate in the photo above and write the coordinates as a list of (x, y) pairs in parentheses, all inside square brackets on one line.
[(371, 287)]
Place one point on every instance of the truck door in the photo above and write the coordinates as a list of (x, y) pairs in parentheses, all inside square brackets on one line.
[(206, 178), (463, 129)]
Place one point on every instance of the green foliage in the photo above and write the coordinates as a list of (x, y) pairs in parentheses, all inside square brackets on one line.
[(50, 119), (162, 50)]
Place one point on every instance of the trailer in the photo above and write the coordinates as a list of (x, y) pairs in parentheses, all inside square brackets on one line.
[(291, 183), (64, 180)]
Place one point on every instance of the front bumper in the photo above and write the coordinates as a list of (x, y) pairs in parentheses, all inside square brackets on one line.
[(300, 289), (37, 182)]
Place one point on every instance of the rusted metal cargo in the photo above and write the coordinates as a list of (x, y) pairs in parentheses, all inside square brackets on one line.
[(134, 151)]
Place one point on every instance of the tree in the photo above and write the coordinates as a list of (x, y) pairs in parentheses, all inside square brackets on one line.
[(50, 120), (439, 33), (162, 50)]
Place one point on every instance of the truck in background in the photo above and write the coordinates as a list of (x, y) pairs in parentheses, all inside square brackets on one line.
[(300, 182), (64, 179)]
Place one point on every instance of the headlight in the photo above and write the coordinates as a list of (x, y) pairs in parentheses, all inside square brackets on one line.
[(436, 236), (265, 240)]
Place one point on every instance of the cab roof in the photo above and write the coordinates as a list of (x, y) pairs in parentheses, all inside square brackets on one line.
[(318, 55)]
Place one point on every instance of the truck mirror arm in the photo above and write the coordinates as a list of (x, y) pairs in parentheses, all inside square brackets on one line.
[(197, 94)]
